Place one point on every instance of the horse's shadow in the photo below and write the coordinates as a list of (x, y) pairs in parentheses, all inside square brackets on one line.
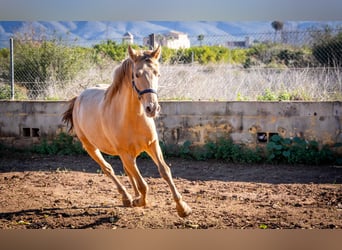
[(37, 218)]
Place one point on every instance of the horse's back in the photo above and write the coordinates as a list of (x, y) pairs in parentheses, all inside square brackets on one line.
[(87, 111), (93, 96)]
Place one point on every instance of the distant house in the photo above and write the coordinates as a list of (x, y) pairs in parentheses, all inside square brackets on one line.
[(172, 40), (176, 40), (239, 44), (127, 38)]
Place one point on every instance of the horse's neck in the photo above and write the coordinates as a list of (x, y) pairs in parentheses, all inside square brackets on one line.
[(121, 97), (132, 104), (126, 103)]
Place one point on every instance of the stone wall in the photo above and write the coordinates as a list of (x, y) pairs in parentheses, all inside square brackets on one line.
[(25, 123)]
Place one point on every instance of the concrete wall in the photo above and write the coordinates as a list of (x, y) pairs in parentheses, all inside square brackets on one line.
[(25, 123)]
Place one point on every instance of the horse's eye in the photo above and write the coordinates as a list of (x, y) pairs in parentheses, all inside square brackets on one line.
[(139, 73)]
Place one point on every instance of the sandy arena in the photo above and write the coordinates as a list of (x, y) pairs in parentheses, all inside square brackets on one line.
[(46, 192)]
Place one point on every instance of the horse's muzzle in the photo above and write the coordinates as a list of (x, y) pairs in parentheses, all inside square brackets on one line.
[(152, 109)]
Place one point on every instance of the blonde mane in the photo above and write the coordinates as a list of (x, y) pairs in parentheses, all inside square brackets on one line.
[(118, 79)]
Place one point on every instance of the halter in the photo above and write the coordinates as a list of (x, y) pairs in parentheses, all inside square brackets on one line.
[(141, 92)]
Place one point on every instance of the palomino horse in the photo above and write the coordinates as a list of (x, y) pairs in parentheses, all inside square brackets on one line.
[(119, 121)]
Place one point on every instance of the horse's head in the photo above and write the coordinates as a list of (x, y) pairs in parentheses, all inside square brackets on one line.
[(145, 74)]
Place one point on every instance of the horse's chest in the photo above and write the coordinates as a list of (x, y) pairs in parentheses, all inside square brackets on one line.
[(135, 135)]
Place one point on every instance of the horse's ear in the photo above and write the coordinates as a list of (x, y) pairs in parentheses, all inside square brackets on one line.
[(156, 53), (132, 53)]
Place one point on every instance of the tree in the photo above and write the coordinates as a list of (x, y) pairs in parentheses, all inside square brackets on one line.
[(200, 38), (277, 26)]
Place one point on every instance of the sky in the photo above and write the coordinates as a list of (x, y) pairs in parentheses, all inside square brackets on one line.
[(174, 10)]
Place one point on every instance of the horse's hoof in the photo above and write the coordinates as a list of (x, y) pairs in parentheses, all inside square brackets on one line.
[(139, 202), (127, 202), (183, 209)]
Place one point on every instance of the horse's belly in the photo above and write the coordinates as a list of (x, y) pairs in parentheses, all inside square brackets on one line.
[(128, 141)]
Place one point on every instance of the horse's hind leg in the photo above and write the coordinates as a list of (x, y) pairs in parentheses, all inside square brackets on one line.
[(155, 152), (139, 184), (134, 184), (108, 170)]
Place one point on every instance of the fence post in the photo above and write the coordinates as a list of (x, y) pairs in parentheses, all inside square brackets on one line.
[(12, 68)]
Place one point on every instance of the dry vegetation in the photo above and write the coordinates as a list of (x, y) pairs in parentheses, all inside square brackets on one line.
[(225, 82)]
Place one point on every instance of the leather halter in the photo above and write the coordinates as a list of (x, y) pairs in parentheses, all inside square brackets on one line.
[(141, 92)]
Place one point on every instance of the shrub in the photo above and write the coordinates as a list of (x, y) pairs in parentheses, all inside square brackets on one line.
[(63, 144), (5, 92), (278, 150), (281, 95), (275, 55), (203, 55), (224, 149), (117, 52), (297, 151), (329, 51), (40, 63)]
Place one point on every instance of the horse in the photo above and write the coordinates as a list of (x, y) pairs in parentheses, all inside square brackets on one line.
[(119, 121)]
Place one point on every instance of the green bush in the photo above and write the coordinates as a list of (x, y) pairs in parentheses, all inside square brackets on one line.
[(224, 149), (43, 62), (4, 63), (227, 150), (297, 151), (5, 92), (203, 55), (278, 150), (270, 95), (117, 52), (328, 51), (278, 55), (63, 144)]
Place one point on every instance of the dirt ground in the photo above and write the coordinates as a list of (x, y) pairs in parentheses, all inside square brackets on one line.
[(43, 192)]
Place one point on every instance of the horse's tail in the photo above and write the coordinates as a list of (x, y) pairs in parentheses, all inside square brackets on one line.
[(67, 115)]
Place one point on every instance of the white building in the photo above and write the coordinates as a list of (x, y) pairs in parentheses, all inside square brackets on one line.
[(176, 40), (172, 40), (127, 38)]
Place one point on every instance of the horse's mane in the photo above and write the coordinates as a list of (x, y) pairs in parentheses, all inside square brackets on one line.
[(118, 79)]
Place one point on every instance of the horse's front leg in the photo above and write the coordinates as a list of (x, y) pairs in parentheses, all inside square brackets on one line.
[(156, 154), (108, 170)]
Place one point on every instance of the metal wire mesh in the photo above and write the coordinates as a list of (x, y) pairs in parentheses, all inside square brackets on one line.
[(268, 66)]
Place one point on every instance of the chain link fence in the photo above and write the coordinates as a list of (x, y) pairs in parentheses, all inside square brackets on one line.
[(269, 66)]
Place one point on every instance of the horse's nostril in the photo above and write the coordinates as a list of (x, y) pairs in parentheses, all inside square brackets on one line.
[(148, 109)]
